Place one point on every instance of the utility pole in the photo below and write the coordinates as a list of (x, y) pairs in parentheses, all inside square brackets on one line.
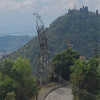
[(60, 73)]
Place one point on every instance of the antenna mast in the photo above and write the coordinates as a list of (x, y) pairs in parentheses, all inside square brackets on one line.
[(74, 7), (82, 3), (69, 45)]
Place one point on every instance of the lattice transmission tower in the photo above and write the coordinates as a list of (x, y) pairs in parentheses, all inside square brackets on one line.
[(43, 56)]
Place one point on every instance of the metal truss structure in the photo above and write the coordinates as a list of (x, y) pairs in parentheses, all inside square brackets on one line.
[(69, 45), (43, 56)]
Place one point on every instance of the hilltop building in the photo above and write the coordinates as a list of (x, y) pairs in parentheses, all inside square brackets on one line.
[(97, 12), (83, 9)]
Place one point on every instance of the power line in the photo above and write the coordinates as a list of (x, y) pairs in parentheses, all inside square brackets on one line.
[(76, 88)]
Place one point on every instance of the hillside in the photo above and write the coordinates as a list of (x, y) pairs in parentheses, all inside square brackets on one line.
[(12, 43), (82, 26)]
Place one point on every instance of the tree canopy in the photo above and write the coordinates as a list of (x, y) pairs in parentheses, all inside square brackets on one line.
[(62, 62), (85, 76), (16, 75)]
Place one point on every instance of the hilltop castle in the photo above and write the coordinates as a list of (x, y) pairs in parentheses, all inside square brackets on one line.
[(83, 9)]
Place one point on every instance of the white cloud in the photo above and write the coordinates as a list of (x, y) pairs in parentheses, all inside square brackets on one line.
[(47, 1), (48, 9), (28, 3), (97, 7), (67, 4), (14, 6), (9, 5), (86, 1), (42, 6), (58, 6)]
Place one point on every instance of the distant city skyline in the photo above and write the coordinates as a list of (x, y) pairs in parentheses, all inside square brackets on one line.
[(16, 16)]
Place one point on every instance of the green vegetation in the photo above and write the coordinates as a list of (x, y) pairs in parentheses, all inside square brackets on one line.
[(12, 43), (10, 96), (85, 76), (30, 51), (62, 62), (16, 75), (84, 31)]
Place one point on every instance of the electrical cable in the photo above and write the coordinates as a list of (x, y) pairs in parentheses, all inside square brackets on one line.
[(76, 88)]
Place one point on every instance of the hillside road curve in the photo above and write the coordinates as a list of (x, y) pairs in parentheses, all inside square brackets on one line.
[(63, 93)]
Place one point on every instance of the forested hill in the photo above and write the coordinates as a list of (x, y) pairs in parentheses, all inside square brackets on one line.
[(83, 28), (11, 43)]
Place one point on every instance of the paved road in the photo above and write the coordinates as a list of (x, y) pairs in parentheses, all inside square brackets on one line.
[(64, 93)]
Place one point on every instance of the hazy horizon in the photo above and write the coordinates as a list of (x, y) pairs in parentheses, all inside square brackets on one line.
[(17, 16)]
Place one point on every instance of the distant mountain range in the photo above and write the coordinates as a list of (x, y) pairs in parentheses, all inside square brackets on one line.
[(11, 43), (81, 27)]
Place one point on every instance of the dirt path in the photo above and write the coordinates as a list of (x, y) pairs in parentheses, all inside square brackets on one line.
[(63, 93)]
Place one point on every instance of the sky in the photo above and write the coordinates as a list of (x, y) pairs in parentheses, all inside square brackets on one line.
[(16, 16)]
